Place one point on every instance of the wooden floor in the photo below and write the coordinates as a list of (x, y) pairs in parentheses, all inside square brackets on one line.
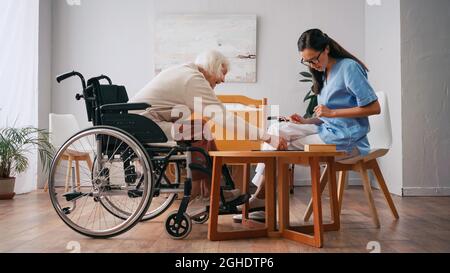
[(29, 224)]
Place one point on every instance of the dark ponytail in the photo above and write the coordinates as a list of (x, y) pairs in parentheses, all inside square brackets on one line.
[(317, 40)]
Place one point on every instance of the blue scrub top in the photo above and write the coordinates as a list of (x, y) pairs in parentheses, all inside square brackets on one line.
[(347, 87)]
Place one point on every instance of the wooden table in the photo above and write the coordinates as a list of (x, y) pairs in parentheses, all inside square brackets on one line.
[(277, 160)]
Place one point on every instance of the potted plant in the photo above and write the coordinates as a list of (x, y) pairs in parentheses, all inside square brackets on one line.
[(310, 96), (15, 145)]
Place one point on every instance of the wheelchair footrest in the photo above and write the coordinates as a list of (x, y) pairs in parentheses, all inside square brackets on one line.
[(239, 200), (231, 206), (198, 212), (72, 196), (135, 193), (225, 211)]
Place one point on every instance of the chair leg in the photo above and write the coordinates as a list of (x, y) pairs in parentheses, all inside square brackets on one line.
[(89, 162), (46, 186), (369, 195), (69, 174), (342, 183), (387, 194), (323, 184), (77, 173)]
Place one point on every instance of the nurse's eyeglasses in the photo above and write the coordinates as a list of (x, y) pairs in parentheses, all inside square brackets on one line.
[(312, 61)]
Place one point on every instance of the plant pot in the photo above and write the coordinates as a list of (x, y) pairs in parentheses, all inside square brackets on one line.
[(7, 188)]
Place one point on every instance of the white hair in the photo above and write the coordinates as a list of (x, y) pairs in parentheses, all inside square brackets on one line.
[(212, 61)]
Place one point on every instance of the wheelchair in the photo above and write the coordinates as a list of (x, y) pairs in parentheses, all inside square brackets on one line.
[(131, 174)]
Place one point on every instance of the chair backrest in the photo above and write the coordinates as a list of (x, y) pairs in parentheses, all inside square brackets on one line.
[(380, 135), (97, 94), (61, 128), (252, 111)]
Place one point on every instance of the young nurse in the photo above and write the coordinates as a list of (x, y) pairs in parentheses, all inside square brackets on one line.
[(345, 101)]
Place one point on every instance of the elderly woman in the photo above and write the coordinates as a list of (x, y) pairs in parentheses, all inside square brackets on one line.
[(181, 87)]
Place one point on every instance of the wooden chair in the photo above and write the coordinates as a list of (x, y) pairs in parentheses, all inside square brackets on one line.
[(380, 139), (242, 106), (75, 157), (252, 111), (62, 127)]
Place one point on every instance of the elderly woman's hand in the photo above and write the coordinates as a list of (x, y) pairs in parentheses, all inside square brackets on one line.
[(297, 119), (278, 142)]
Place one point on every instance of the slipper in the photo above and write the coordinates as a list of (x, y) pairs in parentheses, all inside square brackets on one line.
[(255, 204), (259, 216)]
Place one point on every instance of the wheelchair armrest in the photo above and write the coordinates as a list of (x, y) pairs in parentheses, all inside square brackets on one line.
[(124, 107)]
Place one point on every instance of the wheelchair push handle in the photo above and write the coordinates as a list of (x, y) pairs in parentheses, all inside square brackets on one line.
[(79, 97), (65, 76), (102, 77)]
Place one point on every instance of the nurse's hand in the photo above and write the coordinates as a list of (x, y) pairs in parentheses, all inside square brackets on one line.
[(323, 111)]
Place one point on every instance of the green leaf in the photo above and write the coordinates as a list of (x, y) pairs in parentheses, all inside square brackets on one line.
[(307, 95), (312, 104), (306, 74), (16, 144)]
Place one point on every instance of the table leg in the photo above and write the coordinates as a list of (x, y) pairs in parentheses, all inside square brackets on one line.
[(245, 189), (270, 174), (215, 197), (317, 202), (283, 196), (334, 204)]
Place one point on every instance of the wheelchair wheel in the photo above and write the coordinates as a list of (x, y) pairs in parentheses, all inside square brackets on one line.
[(178, 229), (160, 202), (103, 195)]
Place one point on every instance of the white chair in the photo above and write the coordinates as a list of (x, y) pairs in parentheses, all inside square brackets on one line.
[(380, 139), (61, 128)]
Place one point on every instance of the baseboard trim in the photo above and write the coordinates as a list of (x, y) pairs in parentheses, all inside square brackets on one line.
[(426, 191), (7, 196)]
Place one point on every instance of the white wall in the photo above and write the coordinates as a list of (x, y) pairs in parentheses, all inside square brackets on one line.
[(382, 43), (115, 37), (425, 96)]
